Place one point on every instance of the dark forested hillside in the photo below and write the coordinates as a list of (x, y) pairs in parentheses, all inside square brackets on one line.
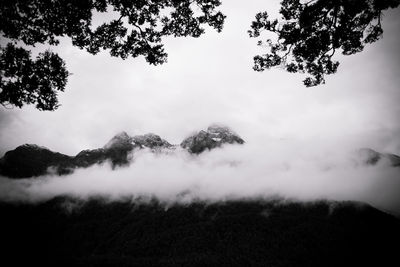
[(70, 232)]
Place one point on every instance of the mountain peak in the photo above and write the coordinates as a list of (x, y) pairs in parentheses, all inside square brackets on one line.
[(150, 140), (121, 139), (214, 136), (32, 147), (30, 160), (371, 157), (216, 128)]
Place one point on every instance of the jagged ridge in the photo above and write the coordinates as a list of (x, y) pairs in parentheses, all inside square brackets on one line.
[(31, 160)]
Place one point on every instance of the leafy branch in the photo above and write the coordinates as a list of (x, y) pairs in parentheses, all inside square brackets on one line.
[(309, 34)]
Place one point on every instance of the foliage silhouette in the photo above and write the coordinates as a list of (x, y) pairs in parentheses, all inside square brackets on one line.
[(27, 81), (137, 31), (310, 33)]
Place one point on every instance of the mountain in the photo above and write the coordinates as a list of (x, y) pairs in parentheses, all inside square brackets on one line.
[(372, 157), (121, 140), (151, 141), (117, 150), (71, 232), (214, 136), (32, 160), (143, 231)]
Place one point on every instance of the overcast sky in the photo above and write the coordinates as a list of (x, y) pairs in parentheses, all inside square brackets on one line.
[(210, 79)]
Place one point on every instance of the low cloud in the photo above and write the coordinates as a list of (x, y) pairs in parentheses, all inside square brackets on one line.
[(286, 168)]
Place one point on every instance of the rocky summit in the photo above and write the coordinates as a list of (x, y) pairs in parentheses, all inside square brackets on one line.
[(214, 136), (121, 140), (151, 141)]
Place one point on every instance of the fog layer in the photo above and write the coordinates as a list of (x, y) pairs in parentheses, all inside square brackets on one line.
[(291, 169)]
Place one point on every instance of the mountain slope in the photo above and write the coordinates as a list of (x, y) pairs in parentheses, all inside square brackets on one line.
[(235, 233), (372, 157), (31, 160)]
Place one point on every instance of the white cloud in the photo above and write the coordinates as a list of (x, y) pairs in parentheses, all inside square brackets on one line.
[(289, 169)]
